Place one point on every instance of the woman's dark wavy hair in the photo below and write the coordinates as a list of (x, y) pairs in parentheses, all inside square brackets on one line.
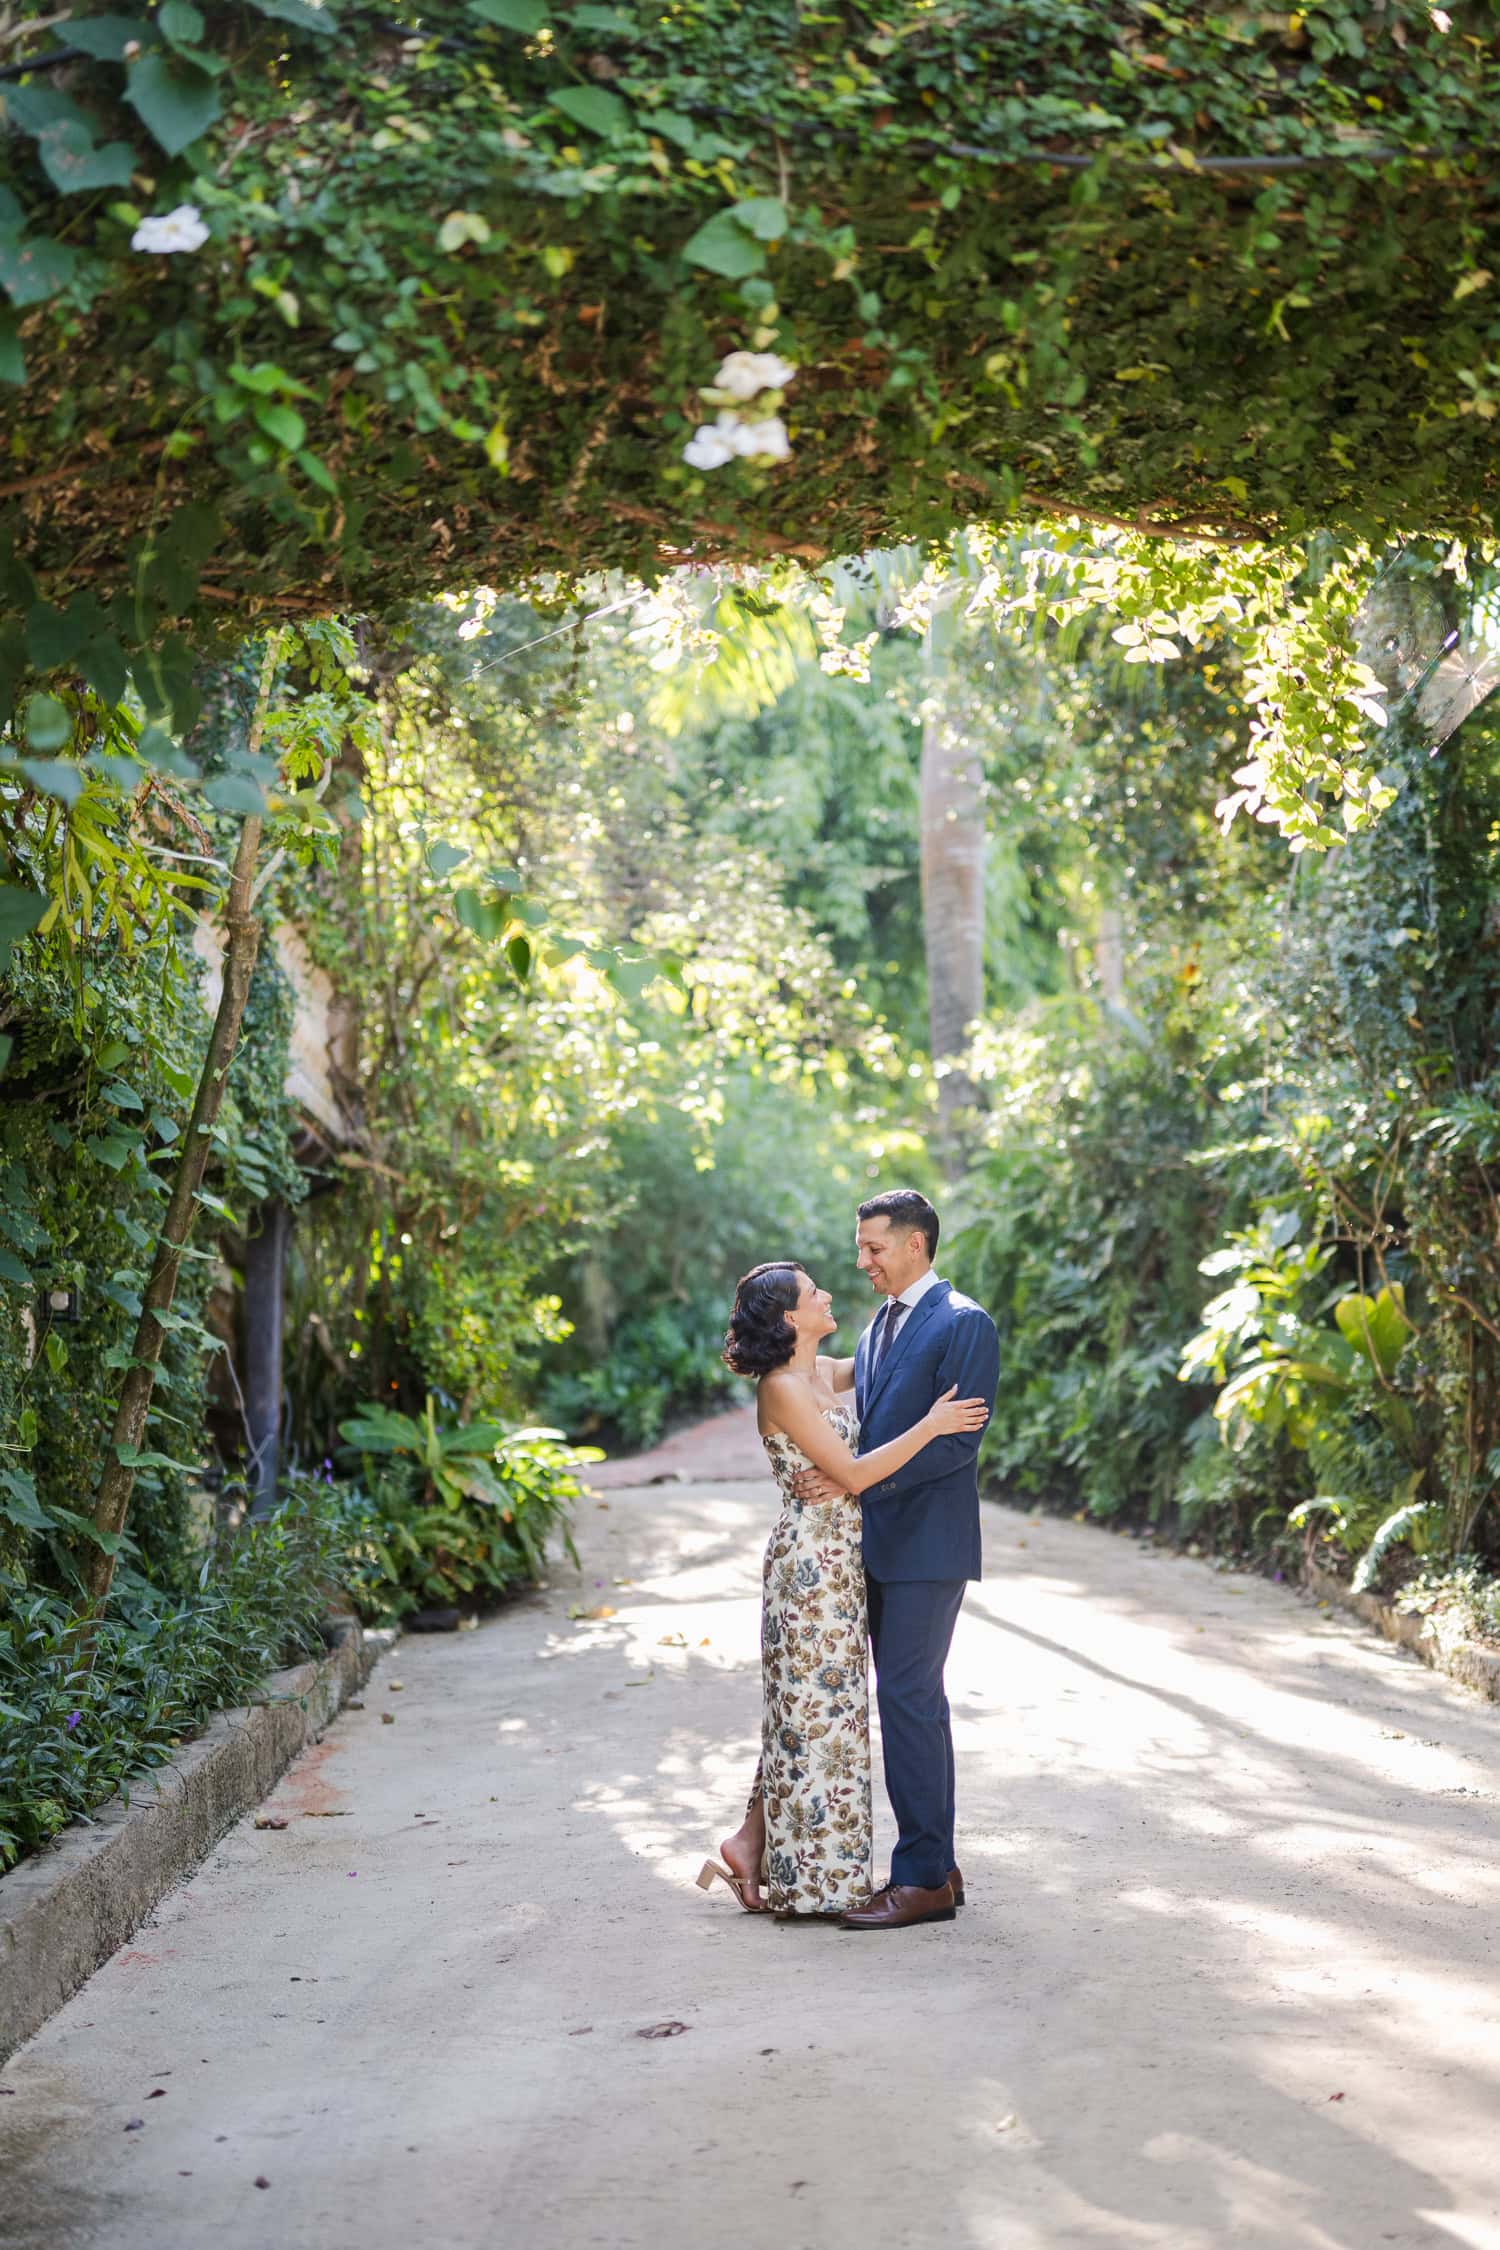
[(758, 1337)]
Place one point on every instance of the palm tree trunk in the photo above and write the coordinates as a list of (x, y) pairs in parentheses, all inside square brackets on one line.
[(953, 887), (118, 1479)]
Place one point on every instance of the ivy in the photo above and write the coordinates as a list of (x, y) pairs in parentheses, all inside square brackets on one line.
[(457, 276)]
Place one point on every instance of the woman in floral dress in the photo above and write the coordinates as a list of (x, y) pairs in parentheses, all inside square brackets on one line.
[(806, 1832)]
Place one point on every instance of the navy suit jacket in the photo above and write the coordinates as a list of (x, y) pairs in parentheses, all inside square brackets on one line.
[(923, 1521)]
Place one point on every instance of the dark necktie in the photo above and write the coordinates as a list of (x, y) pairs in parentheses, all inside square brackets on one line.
[(894, 1314)]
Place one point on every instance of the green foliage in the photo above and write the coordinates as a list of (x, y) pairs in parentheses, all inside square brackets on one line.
[(453, 281), (1083, 1223), (75, 1726), (457, 1515)]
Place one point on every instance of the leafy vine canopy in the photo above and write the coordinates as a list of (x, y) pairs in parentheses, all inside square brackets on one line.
[(312, 304)]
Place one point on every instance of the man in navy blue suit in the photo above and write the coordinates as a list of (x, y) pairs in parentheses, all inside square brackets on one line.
[(921, 1538)]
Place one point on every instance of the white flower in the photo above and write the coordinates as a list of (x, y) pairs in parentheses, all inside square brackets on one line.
[(182, 229), (745, 373), (709, 447), (762, 441), (714, 443)]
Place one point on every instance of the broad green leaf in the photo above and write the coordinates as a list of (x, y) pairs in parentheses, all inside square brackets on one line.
[(301, 13), (511, 15), (11, 1269), (442, 858), (174, 101), (764, 216), (283, 423), (54, 636), (33, 268), (518, 954), (478, 915), (107, 37), (20, 911), (75, 163), (18, 1501), (180, 22), (606, 20), (55, 777), (1377, 1327), (593, 108), (102, 664), (723, 247), (49, 724), (235, 793)]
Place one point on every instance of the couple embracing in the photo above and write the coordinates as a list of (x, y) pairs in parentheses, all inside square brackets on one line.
[(877, 1538)]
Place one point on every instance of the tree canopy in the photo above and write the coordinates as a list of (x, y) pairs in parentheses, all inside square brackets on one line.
[(318, 306)]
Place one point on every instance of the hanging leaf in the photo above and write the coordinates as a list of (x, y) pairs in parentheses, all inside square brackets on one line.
[(235, 793), (442, 858), (55, 777), (102, 663), (283, 423), (175, 101), (49, 724)]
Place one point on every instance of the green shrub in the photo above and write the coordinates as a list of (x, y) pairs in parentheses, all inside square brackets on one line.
[(456, 1515), (76, 1725)]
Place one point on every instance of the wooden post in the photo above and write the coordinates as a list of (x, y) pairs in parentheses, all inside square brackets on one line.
[(112, 1502)]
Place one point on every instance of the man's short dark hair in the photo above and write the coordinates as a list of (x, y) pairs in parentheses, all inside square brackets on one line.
[(905, 1208)]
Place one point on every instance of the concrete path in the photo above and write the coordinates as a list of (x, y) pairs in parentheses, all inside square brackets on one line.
[(1227, 1974)]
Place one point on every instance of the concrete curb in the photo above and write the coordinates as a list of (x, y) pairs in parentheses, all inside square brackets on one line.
[(65, 1911), (1470, 1662)]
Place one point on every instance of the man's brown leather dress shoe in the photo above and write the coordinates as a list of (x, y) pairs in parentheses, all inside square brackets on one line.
[(899, 1906), (956, 1886)]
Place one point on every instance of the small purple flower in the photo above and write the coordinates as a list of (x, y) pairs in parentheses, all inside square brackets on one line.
[(73, 1719)]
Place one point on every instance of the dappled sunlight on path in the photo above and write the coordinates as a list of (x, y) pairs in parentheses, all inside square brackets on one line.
[(1226, 1974)]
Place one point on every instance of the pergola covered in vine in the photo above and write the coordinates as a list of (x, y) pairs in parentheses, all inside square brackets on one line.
[(314, 306)]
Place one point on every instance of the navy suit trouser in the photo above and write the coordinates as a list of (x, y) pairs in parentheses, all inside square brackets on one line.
[(911, 1627)]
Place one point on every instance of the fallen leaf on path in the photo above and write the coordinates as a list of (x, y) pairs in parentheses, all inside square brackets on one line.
[(581, 2032), (135, 2125), (582, 1616), (646, 1682), (341, 1814), (356, 1705), (468, 1624), (261, 2180), (602, 1504), (156, 2094), (1335, 2097), (1004, 2124), (270, 1820), (672, 1640), (388, 1718), (660, 2030), (394, 1687), (705, 1642)]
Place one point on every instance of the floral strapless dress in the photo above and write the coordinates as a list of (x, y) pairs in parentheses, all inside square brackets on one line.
[(814, 1773)]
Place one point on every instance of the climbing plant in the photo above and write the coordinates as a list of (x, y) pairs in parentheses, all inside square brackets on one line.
[(312, 305)]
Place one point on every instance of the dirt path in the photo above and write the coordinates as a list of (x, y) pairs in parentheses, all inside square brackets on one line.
[(1227, 1974)]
